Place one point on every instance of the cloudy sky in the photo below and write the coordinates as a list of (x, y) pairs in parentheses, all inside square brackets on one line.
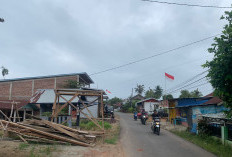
[(41, 37)]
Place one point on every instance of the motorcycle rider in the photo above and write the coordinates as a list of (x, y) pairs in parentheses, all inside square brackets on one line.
[(155, 115)]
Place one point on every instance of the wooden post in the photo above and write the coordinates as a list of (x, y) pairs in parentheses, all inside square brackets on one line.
[(14, 119), (102, 108), (24, 114)]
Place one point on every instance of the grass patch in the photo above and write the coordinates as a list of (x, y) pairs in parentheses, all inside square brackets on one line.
[(207, 142), (113, 137), (89, 125), (23, 146), (112, 140)]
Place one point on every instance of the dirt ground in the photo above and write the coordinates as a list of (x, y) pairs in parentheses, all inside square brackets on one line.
[(19, 149)]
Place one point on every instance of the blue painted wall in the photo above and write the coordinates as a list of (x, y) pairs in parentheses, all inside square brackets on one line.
[(201, 110)]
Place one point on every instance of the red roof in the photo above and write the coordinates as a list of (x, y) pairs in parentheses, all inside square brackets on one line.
[(213, 100), (6, 104)]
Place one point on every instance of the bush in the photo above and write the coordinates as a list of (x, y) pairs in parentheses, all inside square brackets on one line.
[(131, 109), (89, 125), (204, 128)]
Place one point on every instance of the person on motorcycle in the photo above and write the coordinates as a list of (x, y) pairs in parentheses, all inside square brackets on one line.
[(155, 115)]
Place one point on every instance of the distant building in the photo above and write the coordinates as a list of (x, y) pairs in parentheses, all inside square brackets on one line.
[(137, 97), (148, 104)]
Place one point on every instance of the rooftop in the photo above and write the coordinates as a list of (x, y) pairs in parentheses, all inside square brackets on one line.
[(82, 75)]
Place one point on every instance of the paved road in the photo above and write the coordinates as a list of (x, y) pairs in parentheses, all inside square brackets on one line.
[(138, 141)]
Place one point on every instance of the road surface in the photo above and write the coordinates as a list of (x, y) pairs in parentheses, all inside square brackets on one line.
[(139, 141)]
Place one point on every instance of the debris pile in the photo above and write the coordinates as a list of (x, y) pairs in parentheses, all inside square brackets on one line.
[(43, 131)]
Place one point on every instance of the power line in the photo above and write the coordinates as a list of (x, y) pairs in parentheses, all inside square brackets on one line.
[(187, 81), (191, 87), (155, 55), (188, 84), (189, 5)]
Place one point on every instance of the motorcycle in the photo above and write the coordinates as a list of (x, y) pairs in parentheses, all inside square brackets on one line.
[(144, 119), (135, 117), (155, 126)]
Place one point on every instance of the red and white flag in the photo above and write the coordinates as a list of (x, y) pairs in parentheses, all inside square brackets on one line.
[(108, 91), (169, 76)]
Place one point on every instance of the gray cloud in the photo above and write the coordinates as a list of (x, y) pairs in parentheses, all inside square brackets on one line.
[(52, 37)]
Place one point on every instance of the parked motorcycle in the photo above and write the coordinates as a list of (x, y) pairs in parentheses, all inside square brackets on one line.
[(155, 126)]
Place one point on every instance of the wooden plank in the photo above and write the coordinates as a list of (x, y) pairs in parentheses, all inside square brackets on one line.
[(91, 118), (56, 127), (63, 106), (72, 141), (5, 115), (22, 138)]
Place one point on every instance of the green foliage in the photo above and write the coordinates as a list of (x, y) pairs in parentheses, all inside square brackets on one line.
[(196, 94), (47, 114), (220, 73), (158, 92), (131, 109), (89, 125), (114, 101), (139, 89), (73, 84), (5, 71), (112, 140), (23, 146), (167, 97), (185, 94), (149, 93), (207, 142), (204, 128)]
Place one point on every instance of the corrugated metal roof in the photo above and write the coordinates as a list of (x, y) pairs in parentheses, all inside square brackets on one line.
[(83, 75), (6, 104), (47, 96)]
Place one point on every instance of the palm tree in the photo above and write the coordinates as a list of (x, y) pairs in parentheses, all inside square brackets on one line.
[(139, 89), (5, 71)]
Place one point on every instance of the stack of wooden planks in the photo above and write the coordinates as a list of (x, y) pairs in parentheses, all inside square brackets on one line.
[(43, 131)]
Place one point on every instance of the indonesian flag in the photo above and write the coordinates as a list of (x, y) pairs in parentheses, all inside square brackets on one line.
[(169, 76), (108, 91)]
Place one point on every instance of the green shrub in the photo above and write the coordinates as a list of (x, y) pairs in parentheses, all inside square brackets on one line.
[(92, 126), (131, 109), (23, 146)]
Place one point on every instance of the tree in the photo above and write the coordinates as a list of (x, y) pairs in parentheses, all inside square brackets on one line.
[(5, 71), (168, 96), (73, 84), (196, 94), (149, 93), (139, 89), (220, 68), (114, 101), (158, 91), (185, 94), (2, 20)]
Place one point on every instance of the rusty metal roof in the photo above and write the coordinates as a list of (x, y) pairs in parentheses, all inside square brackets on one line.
[(6, 104)]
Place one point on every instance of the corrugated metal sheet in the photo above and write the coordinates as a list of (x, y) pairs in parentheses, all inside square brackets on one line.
[(6, 104), (47, 96)]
